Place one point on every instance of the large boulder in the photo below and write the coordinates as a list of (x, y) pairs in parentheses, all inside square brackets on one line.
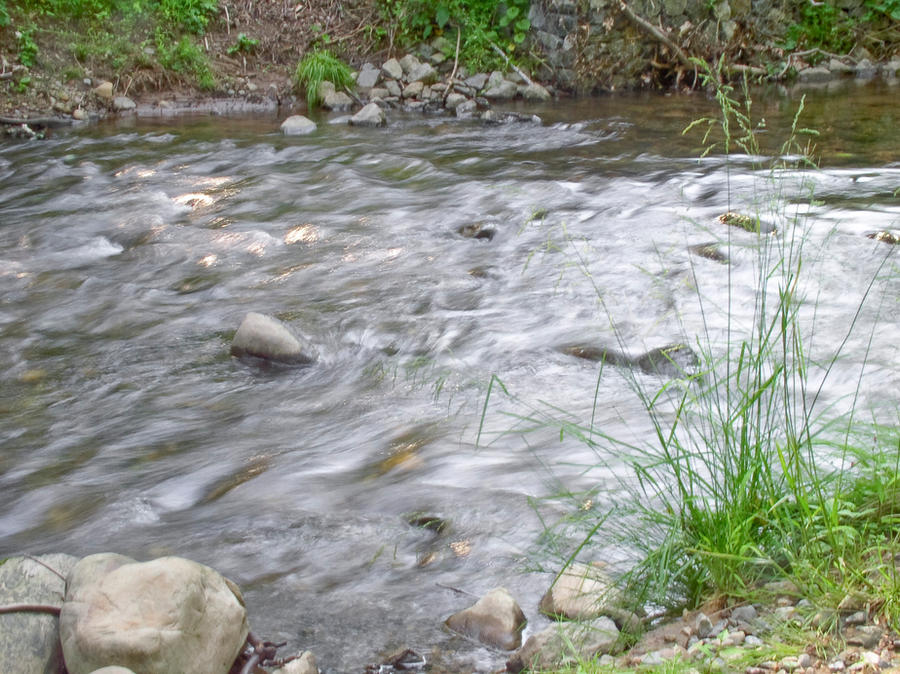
[(495, 620), (565, 644), (263, 336), (166, 615), (581, 592), (297, 125), (370, 115), (29, 640)]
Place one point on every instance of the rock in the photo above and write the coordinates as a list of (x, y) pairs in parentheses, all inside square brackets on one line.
[(379, 93), (392, 69), (337, 100), (305, 664), (413, 89), (394, 88), (495, 620), (113, 669), (104, 90), (710, 251), (368, 77), (79, 114), (506, 117), (454, 100), (672, 360), (325, 88), (466, 109), (408, 63), (505, 90), (263, 336), (703, 627), (157, 617), (370, 115), (477, 81), (564, 644), (583, 591), (866, 70), (535, 92), (297, 125), (817, 74), (866, 636), (746, 613), (838, 66), (29, 642), (424, 72), (477, 230), (123, 104)]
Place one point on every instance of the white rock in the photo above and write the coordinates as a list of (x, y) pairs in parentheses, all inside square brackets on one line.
[(123, 104), (166, 615), (297, 125), (266, 337), (495, 620), (370, 115), (582, 591)]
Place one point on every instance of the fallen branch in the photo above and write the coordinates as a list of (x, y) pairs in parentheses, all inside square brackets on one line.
[(455, 64), (30, 608), (512, 65), (658, 34)]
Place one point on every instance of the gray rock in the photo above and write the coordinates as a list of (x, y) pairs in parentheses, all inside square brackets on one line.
[(866, 636), (477, 81), (394, 88), (564, 644), (535, 92), (166, 615), (325, 89), (703, 626), (408, 63), (454, 100), (370, 115), (817, 74), (746, 613), (368, 77), (424, 72), (505, 90), (838, 66), (337, 100), (305, 664), (581, 592), (866, 70), (466, 109), (297, 125), (672, 360), (378, 92), (495, 620), (413, 89), (29, 641), (392, 69), (123, 104), (263, 336)]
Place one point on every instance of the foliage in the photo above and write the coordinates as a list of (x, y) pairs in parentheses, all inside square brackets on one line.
[(28, 48), (178, 15), (480, 23), (184, 57), (319, 66), (244, 45), (824, 26), (4, 14), (190, 15)]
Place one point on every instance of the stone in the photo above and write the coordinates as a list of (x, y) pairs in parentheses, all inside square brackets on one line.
[(113, 669), (495, 620), (370, 115), (392, 69), (703, 626), (535, 92), (262, 336), (79, 114), (746, 613), (564, 644), (408, 63), (305, 664), (378, 92), (29, 642), (297, 125), (454, 100), (817, 74), (672, 360), (123, 104), (424, 72), (394, 88), (467, 109), (866, 70), (413, 89), (368, 77), (581, 592), (337, 100), (505, 90), (838, 66), (325, 88), (477, 81), (104, 90), (866, 636), (166, 615)]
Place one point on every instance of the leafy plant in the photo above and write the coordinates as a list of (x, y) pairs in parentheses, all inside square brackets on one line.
[(822, 26), (319, 66), (28, 49), (244, 45), (186, 58), (4, 14), (190, 15)]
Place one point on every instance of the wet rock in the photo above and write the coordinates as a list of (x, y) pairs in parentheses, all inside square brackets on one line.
[(401, 661), (392, 69), (507, 117), (104, 90), (885, 237), (424, 72), (29, 641), (477, 81), (581, 592), (454, 100), (866, 70), (368, 77), (564, 644), (746, 222), (337, 100), (466, 109), (494, 620), (504, 90), (370, 115), (413, 89), (297, 125), (535, 92), (265, 337), (123, 104), (304, 664), (477, 230), (710, 251), (157, 617), (817, 74), (672, 360)]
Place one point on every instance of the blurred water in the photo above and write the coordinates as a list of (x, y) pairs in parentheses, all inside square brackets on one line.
[(130, 253)]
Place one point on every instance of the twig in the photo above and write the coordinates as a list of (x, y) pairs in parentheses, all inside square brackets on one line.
[(455, 589), (45, 565), (354, 97), (227, 20), (512, 65), (455, 64), (658, 34), (30, 608)]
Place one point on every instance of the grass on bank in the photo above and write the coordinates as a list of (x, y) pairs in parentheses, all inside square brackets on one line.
[(751, 477)]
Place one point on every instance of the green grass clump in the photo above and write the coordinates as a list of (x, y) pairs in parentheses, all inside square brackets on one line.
[(321, 66)]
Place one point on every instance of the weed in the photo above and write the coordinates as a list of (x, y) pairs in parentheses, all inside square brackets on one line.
[(244, 44), (184, 57), (28, 49), (320, 66)]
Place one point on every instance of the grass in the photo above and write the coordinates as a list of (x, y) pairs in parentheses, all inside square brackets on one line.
[(751, 477), (321, 66)]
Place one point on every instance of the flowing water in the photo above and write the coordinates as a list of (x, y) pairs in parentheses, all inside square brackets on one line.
[(131, 251)]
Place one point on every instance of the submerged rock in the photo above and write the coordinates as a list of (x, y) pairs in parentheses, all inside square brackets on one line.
[(166, 615), (885, 237), (266, 337), (494, 620), (477, 230), (672, 360), (29, 641), (746, 222)]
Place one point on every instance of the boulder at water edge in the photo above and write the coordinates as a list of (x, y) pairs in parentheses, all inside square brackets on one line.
[(582, 591), (263, 336), (297, 125), (370, 115), (29, 641), (158, 617), (495, 620), (565, 644)]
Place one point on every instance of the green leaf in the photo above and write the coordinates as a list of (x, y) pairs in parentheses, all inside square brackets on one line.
[(442, 16), (511, 13), (523, 24)]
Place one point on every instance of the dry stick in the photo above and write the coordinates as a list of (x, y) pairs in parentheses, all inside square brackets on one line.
[(30, 608), (455, 64), (45, 565), (658, 34), (512, 65), (227, 20)]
